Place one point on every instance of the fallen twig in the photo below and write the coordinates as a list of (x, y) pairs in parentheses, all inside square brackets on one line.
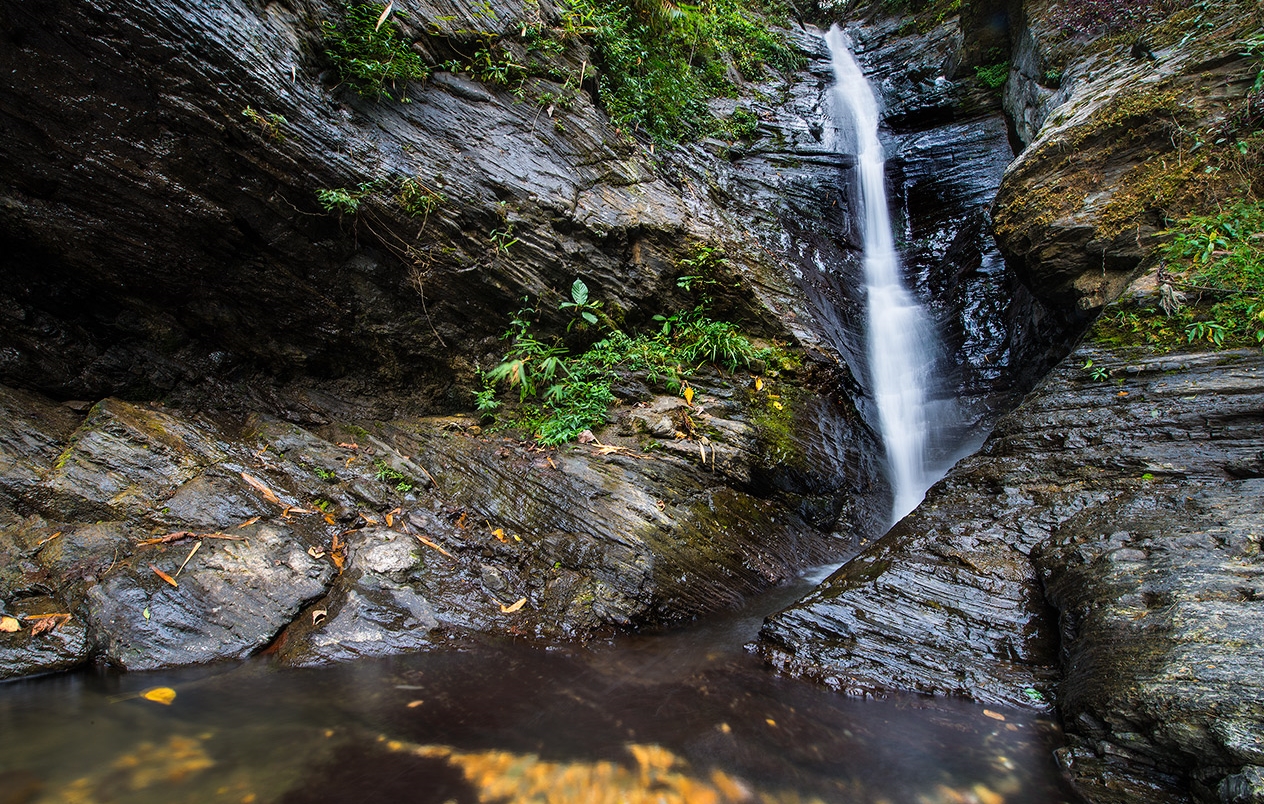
[(431, 544), (196, 546)]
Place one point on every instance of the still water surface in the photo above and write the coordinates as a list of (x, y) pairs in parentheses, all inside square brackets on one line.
[(688, 716)]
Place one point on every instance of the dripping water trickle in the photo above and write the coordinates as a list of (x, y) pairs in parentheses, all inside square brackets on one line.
[(900, 341)]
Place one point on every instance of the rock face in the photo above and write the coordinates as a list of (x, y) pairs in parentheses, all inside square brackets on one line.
[(1118, 147), (162, 538), (1130, 508)]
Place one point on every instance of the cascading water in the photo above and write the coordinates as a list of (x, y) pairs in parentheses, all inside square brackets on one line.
[(900, 340)]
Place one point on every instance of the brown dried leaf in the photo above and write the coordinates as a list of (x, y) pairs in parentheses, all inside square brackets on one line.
[(316, 552), (510, 609), (196, 546), (319, 615), (261, 487), (40, 626), (49, 539), (337, 552), (329, 519), (47, 622), (386, 12), (345, 445), (993, 715), (164, 576), (249, 522)]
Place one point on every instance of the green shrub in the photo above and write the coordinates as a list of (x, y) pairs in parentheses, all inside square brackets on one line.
[(993, 76), (369, 52), (660, 63), (574, 392)]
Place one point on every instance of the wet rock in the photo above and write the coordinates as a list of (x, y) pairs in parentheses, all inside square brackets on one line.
[(125, 458), (26, 653), (1096, 553), (229, 605), (1246, 787)]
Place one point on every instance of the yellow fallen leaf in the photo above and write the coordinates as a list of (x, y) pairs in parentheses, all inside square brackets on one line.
[(510, 609), (9, 625), (759, 383), (499, 533), (162, 695), (688, 395), (415, 704), (777, 405), (993, 715)]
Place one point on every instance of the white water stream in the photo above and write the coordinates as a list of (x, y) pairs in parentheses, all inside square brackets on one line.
[(900, 340)]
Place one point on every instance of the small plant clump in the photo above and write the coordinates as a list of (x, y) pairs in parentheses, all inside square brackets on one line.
[(417, 199), (369, 52), (560, 395), (269, 125), (411, 194), (340, 200), (993, 76)]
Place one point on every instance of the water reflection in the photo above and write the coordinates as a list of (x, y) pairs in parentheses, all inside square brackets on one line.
[(681, 717)]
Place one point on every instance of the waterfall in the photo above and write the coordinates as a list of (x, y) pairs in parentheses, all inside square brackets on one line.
[(900, 341)]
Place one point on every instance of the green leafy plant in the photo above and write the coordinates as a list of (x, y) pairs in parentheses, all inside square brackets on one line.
[(417, 199), (1096, 372), (582, 309), (1222, 257), (269, 125), (503, 239), (369, 52), (561, 395), (340, 200), (388, 474), (993, 76)]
